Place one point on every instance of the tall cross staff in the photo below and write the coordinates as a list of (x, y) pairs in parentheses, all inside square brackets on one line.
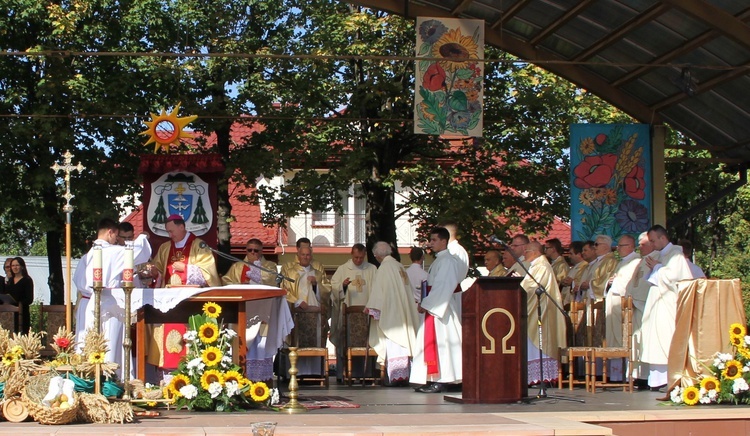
[(67, 167)]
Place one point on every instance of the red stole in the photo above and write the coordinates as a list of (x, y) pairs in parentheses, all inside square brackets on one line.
[(179, 255), (244, 279), (430, 342)]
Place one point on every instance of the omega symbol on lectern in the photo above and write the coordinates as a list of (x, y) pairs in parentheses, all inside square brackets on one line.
[(511, 330)]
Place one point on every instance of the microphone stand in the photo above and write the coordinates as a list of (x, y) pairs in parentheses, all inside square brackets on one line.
[(538, 292), (279, 277)]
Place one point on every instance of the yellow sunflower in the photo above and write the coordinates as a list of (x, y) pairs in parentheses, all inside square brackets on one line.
[(691, 395), (737, 329), (453, 45), (208, 333), (710, 383), (212, 310), (733, 370), (17, 350), (178, 382), (211, 376), (259, 391), (8, 359), (212, 356), (737, 341), (96, 357), (231, 376)]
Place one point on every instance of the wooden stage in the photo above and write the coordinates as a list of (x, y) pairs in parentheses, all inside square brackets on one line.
[(401, 411)]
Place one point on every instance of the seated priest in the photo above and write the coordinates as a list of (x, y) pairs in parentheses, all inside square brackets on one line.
[(240, 273)]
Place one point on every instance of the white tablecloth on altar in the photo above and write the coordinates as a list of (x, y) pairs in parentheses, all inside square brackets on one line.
[(273, 311)]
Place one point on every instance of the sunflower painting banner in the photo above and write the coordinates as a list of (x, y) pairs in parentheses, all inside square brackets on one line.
[(448, 96), (610, 180)]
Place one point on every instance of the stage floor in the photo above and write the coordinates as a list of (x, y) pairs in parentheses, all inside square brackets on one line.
[(395, 411)]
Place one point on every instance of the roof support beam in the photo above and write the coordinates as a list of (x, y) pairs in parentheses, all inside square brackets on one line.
[(510, 13), (730, 75), (715, 17), (670, 55), (567, 16), (637, 21), (461, 7)]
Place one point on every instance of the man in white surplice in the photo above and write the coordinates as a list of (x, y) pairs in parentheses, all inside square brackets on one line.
[(437, 360), (553, 321), (629, 260), (350, 285), (113, 263), (660, 313), (393, 329)]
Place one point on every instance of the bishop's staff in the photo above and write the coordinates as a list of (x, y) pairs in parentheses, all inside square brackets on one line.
[(67, 168)]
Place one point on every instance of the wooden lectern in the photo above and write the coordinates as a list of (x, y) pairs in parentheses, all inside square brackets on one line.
[(494, 341)]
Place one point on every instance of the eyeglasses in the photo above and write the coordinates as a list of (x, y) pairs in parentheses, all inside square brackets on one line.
[(596, 244), (253, 250), (624, 245)]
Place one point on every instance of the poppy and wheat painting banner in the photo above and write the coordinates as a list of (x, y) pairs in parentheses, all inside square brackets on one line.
[(610, 180), (448, 96)]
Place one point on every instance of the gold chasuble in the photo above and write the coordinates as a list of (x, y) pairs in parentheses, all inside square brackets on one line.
[(191, 254)]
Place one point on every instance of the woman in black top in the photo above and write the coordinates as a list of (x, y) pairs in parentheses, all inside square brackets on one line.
[(21, 288)]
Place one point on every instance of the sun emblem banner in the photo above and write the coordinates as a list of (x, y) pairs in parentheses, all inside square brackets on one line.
[(610, 179), (449, 80), (184, 194)]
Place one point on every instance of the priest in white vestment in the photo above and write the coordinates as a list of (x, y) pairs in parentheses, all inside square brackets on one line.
[(350, 286), (660, 313), (553, 321), (437, 360), (113, 263), (613, 301), (393, 329), (638, 288)]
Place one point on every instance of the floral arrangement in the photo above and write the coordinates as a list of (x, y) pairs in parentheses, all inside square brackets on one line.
[(728, 378), (206, 378)]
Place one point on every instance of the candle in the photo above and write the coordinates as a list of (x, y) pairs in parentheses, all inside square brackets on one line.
[(127, 272), (97, 265)]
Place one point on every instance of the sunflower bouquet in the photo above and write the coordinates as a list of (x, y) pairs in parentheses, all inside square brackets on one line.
[(728, 379), (206, 378)]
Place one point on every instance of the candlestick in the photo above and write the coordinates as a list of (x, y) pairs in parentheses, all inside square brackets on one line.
[(127, 272)]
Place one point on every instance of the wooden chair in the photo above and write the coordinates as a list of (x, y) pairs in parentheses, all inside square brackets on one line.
[(569, 354), (51, 318), (357, 332), (10, 317), (624, 352), (310, 339)]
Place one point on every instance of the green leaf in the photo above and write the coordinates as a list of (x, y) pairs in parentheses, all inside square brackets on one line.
[(464, 73), (458, 101), (424, 49)]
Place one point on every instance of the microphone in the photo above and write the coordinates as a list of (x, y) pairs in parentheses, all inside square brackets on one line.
[(202, 245), (495, 240)]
